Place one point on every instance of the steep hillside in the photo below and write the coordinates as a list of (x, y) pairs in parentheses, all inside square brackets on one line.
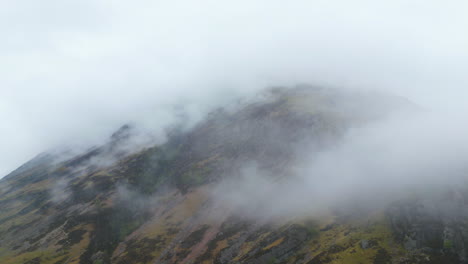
[(117, 204)]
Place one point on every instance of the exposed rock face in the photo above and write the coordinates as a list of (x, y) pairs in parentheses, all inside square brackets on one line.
[(153, 205), (435, 224)]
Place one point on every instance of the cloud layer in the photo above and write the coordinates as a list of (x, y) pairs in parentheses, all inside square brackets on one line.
[(75, 71)]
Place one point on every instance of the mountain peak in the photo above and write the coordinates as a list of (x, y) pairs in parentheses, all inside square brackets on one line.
[(211, 194)]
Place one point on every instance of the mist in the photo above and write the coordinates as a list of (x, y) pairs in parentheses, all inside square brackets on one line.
[(74, 72), (404, 155)]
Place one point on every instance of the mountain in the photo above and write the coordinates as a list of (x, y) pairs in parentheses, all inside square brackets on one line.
[(196, 198)]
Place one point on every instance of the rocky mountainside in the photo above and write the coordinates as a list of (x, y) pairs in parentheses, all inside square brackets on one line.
[(118, 204)]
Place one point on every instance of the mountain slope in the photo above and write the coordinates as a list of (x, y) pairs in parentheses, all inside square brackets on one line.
[(118, 204)]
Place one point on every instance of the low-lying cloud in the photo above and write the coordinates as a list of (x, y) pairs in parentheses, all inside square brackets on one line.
[(407, 153), (75, 71)]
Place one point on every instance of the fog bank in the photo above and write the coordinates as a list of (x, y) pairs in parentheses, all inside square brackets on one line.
[(75, 71), (407, 154)]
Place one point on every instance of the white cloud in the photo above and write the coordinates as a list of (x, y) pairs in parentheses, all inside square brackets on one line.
[(76, 70)]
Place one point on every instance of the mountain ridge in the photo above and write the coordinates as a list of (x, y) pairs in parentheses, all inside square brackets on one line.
[(156, 204)]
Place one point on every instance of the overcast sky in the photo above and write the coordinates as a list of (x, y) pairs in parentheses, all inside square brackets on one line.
[(74, 71)]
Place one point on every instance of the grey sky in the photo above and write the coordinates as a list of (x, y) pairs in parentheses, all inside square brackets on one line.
[(73, 71)]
